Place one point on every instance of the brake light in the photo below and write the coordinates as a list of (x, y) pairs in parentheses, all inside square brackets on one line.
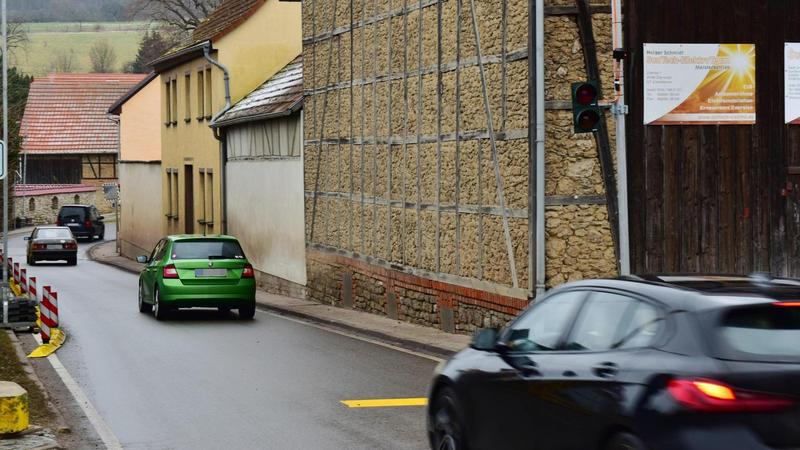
[(39, 246), (789, 304), (248, 272), (87, 223), (712, 396), (70, 246), (170, 271)]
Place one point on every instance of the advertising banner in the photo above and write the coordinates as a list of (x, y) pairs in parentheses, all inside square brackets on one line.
[(699, 84), (791, 82)]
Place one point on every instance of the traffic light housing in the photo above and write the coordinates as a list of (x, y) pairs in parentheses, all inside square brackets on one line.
[(585, 109)]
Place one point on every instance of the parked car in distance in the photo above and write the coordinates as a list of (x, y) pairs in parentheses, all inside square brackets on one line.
[(189, 271), (48, 243), (84, 221), (657, 363)]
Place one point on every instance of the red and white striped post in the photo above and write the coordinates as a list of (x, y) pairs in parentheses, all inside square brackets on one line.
[(32, 294), (16, 272), (23, 280), (48, 313), (10, 263)]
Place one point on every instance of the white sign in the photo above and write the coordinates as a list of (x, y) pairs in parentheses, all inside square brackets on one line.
[(791, 82), (699, 84)]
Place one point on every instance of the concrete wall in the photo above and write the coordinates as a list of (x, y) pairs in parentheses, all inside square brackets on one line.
[(399, 171), (141, 219), (265, 211)]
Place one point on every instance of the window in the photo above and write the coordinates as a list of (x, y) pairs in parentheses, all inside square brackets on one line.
[(168, 104), (612, 321), (542, 327), (31, 205), (201, 99), (203, 195), (174, 118), (76, 199), (187, 89), (208, 93), (172, 193), (210, 196), (53, 233), (760, 333), (207, 249), (54, 203), (158, 252)]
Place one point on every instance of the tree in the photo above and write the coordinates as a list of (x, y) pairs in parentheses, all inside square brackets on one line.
[(103, 57), (184, 15), (63, 62), (152, 45)]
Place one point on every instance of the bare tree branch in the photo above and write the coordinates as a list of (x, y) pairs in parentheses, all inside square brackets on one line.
[(185, 15)]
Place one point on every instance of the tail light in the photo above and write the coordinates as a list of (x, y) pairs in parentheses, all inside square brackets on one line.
[(59, 222), (170, 271), (787, 304), (87, 223), (39, 246), (712, 396), (248, 272), (70, 246)]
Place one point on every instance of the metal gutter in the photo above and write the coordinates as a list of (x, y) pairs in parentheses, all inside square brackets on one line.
[(223, 144)]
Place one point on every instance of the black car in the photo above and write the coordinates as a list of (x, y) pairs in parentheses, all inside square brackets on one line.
[(52, 244), (84, 221), (657, 363)]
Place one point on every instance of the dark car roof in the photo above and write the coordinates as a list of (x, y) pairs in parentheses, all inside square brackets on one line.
[(701, 291), (189, 237), (76, 206)]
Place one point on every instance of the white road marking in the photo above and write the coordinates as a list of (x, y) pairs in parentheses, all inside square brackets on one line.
[(352, 336), (101, 427)]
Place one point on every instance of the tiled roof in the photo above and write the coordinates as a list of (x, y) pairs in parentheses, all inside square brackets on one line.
[(68, 113), (225, 17), (24, 190), (280, 95)]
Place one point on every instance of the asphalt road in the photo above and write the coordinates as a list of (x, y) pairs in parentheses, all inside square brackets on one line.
[(204, 380)]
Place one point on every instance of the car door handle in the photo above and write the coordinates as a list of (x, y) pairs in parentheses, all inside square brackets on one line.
[(605, 370)]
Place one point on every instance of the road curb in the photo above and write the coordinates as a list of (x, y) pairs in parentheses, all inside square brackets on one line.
[(408, 344), (91, 254)]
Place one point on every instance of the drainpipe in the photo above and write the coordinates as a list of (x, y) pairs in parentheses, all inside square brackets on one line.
[(536, 125), (620, 110), (223, 146)]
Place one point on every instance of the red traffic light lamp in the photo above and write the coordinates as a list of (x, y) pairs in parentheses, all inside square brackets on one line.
[(585, 109)]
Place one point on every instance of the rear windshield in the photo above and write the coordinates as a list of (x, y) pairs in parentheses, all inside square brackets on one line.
[(207, 249), (763, 333), (72, 212), (53, 233)]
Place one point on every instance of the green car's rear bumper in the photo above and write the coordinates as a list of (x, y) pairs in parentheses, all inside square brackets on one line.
[(175, 294)]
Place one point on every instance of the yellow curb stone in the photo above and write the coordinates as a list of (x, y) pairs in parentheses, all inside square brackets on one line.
[(13, 408)]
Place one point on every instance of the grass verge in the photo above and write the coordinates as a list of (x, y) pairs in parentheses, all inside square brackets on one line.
[(11, 369)]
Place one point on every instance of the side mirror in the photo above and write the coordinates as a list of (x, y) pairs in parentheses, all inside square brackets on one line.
[(142, 259), (27, 238), (101, 217), (485, 339)]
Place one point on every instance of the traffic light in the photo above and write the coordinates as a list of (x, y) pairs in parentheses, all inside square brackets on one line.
[(585, 110)]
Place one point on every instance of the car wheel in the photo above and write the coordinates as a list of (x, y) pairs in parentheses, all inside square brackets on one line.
[(144, 307), (102, 236), (447, 432), (90, 238), (30, 261), (625, 441), (159, 310), (247, 312), (73, 261)]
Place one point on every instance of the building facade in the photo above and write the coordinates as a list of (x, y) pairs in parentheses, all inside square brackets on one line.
[(68, 137), (252, 39), (264, 173), (417, 157), (142, 223)]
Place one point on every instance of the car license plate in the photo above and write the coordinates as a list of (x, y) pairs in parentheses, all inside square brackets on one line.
[(54, 246), (211, 272)]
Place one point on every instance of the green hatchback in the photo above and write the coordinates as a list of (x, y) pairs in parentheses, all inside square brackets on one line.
[(188, 271)]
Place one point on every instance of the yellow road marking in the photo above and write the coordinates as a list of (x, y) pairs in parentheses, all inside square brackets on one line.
[(386, 402)]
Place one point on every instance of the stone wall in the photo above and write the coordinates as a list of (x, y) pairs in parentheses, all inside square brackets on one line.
[(43, 209), (400, 170)]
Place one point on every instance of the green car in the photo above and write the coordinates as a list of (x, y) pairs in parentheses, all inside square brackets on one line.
[(188, 271)]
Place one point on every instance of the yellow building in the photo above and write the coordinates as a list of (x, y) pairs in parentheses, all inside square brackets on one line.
[(249, 40), (140, 226)]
